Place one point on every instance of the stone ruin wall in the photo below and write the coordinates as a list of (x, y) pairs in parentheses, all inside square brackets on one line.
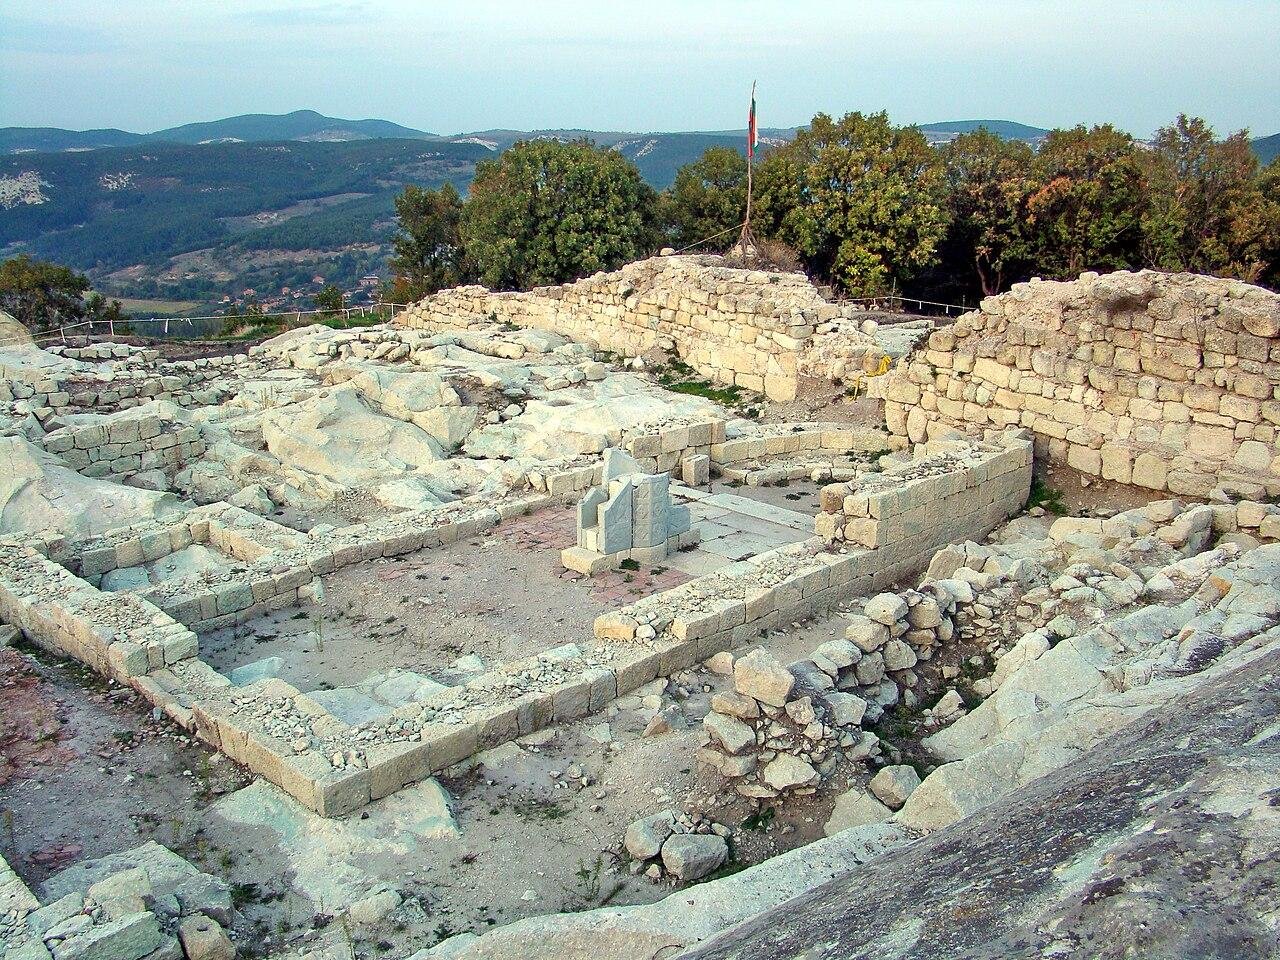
[(1165, 381), (743, 327)]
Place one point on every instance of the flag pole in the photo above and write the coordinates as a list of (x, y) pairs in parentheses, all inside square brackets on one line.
[(747, 241)]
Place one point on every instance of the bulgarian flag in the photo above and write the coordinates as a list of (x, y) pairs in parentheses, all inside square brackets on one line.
[(753, 132)]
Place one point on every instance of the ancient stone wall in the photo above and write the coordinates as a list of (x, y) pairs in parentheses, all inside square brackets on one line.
[(748, 328), (732, 605), (948, 493), (1164, 381), (126, 445)]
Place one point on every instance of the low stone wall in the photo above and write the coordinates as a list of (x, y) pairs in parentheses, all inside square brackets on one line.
[(776, 440), (118, 634), (125, 446), (731, 606), (740, 327), (949, 490), (1165, 381), (134, 379), (664, 449), (131, 638)]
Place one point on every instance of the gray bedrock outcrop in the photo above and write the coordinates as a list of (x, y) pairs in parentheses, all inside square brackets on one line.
[(1160, 842)]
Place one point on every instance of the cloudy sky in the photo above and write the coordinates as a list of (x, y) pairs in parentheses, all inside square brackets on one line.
[(652, 65)]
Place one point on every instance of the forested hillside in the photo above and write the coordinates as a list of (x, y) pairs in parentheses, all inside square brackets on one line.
[(147, 205)]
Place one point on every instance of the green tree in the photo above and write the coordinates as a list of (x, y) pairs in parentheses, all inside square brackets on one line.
[(329, 298), (707, 199), (428, 247), (861, 200), (548, 212), (1206, 211), (988, 185), (1269, 213), (100, 310), (1086, 210), (41, 294)]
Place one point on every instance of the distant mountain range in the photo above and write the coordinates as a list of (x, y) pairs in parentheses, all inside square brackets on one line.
[(309, 125), (250, 128), (1267, 148), (204, 210)]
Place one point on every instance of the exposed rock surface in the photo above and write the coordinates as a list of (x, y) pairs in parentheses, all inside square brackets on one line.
[(13, 333), (38, 493), (1161, 842)]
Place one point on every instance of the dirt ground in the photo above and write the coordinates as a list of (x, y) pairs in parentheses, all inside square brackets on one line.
[(500, 596), (88, 771), (1082, 494), (825, 402), (801, 496)]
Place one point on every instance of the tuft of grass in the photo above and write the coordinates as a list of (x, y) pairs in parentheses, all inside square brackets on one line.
[(245, 893), (536, 809), (1046, 497), (587, 889)]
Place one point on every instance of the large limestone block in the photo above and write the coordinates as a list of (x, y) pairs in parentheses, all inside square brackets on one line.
[(13, 333), (761, 676), (691, 856), (38, 492), (955, 790), (855, 808)]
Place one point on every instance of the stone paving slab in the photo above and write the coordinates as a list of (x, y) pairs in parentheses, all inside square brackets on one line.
[(762, 511)]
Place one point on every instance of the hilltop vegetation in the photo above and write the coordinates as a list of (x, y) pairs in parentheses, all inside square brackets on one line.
[(204, 221), (869, 206)]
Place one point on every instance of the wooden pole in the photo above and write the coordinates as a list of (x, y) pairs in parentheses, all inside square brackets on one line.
[(747, 241)]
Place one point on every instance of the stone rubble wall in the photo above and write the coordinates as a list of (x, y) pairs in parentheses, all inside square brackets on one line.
[(125, 446), (132, 382), (747, 328), (1165, 381), (118, 634)]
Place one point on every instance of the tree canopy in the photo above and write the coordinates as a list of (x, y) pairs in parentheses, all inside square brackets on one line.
[(428, 245), (707, 200), (1206, 211), (863, 201), (1086, 213), (42, 294), (988, 185), (547, 212)]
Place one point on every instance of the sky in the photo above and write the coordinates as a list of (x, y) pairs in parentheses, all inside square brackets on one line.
[(655, 65)]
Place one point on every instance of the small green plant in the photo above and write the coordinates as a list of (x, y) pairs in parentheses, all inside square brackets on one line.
[(1046, 497), (629, 565), (243, 894), (317, 627), (760, 820), (731, 866), (534, 808), (588, 875)]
